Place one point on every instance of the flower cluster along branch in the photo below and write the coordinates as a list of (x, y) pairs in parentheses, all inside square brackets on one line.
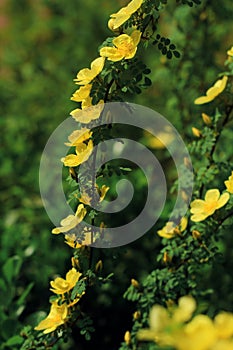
[(190, 247), (116, 73)]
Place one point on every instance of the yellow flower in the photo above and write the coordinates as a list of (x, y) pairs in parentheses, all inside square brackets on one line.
[(125, 47), (72, 239), (88, 112), (56, 317), (78, 136), (213, 92), (71, 221), (61, 285), (82, 93), (170, 229), (204, 208), (86, 75), (230, 52), (117, 19), (229, 183), (86, 199), (83, 152)]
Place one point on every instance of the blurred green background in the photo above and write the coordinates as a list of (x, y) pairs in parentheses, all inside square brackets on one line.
[(43, 43)]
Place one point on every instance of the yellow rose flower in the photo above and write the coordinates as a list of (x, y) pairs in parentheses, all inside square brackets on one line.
[(170, 229), (61, 285), (86, 199), (230, 52), (78, 136), (56, 317), (117, 19), (72, 239), (71, 221), (88, 112), (213, 92), (125, 47), (204, 208), (86, 75), (82, 93), (83, 152), (229, 183), (164, 322)]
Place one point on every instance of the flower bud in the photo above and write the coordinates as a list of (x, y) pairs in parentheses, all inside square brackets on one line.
[(206, 119), (184, 196), (127, 337), (75, 263), (134, 283), (196, 132), (187, 163), (196, 234), (99, 266), (136, 315), (166, 258)]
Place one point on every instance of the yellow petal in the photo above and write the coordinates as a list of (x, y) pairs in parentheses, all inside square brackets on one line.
[(183, 224), (134, 5), (82, 93), (224, 324), (88, 113), (223, 200), (111, 53), (72, 277), (159, 318), (122, 39), (117, 19), (221, 83), (81, 212), (230, 52), (199, 217), (104, 189), (213, 92), (78, 136), (186, 307), (198, 334), (203, 99), (212, 195), (72, 160), (131, 54), (86, 75), (97, 65), (136, 36), (197, 206), (67, 224)]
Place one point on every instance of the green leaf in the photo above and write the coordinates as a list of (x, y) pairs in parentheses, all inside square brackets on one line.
[(11, 268), (79, 288), (23, 296), (15, 340), (176, 54)]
